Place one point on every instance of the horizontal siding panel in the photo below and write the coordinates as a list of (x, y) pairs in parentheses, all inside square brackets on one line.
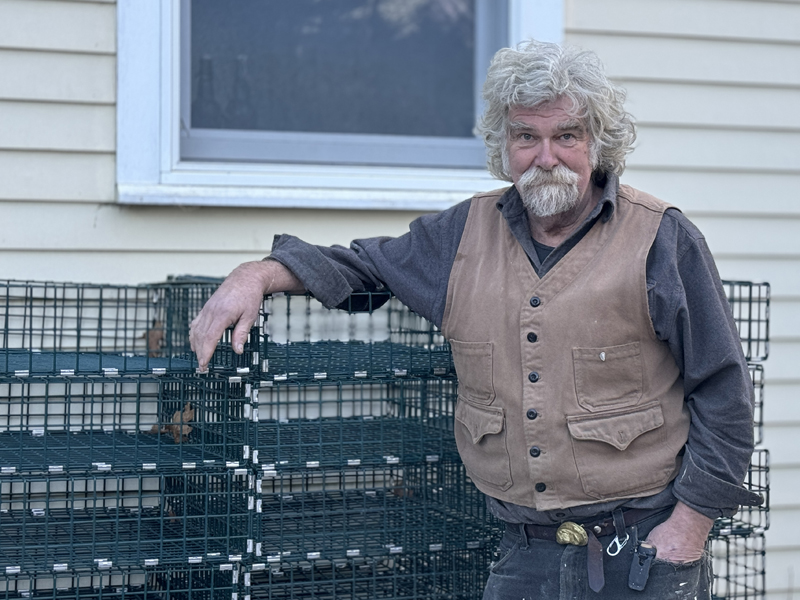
[(753, 236), (713, 105), (709, 191), (55, 176), (117, 267), (54, 76), (697, 148), (781, 440), (783, 527), (714, 18), (52, 25), (781, 399), (785, 317), (784, 361), (48, 126), (783, 573), (649, 58), (779, 273), (203, 231), (784, 487)]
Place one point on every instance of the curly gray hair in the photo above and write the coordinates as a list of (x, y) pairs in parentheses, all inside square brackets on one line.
[(535, 73)]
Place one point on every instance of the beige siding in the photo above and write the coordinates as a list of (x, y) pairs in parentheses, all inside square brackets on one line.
[(714, 85)]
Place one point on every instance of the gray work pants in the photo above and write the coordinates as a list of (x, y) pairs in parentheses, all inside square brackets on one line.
[(532, 569)]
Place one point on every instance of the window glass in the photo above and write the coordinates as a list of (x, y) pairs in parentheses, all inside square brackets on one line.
[(391, 67)]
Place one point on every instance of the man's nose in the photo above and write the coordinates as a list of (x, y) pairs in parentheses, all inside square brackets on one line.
[(546, 158)]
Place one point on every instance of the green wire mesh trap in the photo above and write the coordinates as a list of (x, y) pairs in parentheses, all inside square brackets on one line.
[(320, 463)]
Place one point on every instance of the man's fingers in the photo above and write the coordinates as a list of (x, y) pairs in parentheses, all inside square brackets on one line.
[(241, 331)]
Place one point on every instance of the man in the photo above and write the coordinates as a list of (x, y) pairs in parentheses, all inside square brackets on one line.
[(605, 407)]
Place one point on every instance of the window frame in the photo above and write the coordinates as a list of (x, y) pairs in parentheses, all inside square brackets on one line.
[(151, 172)]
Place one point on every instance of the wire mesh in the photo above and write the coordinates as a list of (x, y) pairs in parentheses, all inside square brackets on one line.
[(750, 520), (757, 376), (750, 306), (102, 521), (72, 328), (376, 337), (83, 424), (352, 423), (739, 567), (189, 583), (371, 512), (429, 576)]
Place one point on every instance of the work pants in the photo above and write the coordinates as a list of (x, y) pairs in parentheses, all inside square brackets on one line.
[(530, 569)]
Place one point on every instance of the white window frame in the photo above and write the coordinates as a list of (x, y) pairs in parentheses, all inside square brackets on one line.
[(151, 172)]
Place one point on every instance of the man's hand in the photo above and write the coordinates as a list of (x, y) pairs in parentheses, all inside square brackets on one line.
[(237, 302), (682, 537)]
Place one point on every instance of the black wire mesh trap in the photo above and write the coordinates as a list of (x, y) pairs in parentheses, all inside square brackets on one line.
[(371, 512), (70, 328), (739, 567), (83, 424), (333, 424), (757, 376), (187, 583), (750, 306), (374, 337), (750, 520), (50, 523), (425, 576)]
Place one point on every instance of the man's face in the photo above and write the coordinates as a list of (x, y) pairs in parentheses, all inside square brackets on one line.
[(549, 157)]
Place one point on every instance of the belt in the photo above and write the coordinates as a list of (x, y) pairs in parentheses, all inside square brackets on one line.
[(586, 534)]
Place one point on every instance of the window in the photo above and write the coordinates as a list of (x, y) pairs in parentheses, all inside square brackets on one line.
[(312, 103)]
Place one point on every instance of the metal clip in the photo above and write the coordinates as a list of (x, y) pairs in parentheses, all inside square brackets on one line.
[(619, 545)]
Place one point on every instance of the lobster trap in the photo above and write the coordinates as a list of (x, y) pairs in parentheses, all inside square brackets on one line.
[(320, 463), (83, 424), (74, 523)]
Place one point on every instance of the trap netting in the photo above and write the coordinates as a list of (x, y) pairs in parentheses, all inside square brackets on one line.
[(319, 463)]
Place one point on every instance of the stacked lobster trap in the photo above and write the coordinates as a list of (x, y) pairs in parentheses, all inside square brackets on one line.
[(319, 463)]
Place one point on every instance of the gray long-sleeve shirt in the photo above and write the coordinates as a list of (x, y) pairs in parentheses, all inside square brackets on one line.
[(687, 306)]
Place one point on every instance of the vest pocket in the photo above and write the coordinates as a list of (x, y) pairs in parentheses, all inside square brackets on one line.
[(473, 362), (608, 377), (620, 452), (481, 440)]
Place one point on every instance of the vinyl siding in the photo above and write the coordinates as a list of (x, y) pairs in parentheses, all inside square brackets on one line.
[(714, 85)]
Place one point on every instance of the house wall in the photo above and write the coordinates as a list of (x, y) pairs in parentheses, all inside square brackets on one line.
[(715, 87), (57, 168)]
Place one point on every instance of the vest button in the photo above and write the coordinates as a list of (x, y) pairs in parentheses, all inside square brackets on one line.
[(532, 337), (532, 414), (540, 487), (533, 377), (535, 301), (535, 451)]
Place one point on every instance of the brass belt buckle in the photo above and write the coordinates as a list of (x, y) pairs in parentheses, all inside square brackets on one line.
[(571, 533)]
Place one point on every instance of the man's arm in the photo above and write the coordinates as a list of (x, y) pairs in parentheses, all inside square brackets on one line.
[(237, 302), (415, 266), (691, 313)]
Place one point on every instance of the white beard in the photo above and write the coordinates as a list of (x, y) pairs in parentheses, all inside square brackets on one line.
[(547, 193)]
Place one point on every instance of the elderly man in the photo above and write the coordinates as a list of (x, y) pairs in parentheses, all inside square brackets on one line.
[(604, 407)]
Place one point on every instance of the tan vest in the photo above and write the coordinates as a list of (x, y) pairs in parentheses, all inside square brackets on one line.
[(590, 407)]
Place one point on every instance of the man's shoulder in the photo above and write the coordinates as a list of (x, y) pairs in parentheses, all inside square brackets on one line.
[(490, 196), (643, 199)]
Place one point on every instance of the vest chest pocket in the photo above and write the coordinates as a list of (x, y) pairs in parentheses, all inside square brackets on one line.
[(622, 451), (481, 439), (608, 377), (473, 362)]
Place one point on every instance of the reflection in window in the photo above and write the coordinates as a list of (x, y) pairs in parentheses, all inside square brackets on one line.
[(391, 67)]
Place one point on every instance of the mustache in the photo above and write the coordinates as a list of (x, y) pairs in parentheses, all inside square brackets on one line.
[(559, 175)]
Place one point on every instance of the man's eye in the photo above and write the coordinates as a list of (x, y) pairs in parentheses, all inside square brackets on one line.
[(526, 136), (567, 136)]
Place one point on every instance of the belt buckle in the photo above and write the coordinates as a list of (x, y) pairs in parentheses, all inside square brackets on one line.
[(572, 534)]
